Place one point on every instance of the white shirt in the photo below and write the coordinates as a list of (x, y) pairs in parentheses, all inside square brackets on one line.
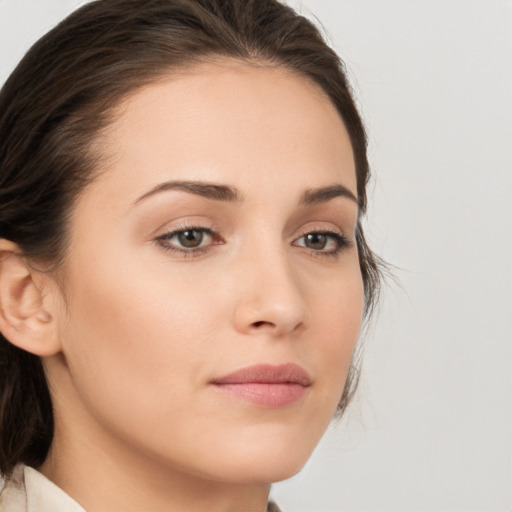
[(30, 491)]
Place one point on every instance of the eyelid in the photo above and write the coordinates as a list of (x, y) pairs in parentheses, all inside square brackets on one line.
[(163, 239), (320, 227), (340, 239)]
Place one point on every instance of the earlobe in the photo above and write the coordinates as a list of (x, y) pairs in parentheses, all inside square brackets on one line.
[(25, 319)]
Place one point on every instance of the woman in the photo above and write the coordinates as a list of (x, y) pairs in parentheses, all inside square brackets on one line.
[(183, 272)]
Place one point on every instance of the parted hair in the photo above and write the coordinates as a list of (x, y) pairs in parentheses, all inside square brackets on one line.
[(64, 92)]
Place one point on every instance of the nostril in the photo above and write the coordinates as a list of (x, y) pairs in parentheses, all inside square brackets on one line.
[(258, 324)]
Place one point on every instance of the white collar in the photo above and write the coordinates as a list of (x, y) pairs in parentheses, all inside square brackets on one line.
[(30, 491)]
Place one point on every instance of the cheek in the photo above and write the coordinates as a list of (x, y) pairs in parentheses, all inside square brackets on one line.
[(133, 334), (337, 321)]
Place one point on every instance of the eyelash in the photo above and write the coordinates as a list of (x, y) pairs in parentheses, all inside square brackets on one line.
[(341, 242)]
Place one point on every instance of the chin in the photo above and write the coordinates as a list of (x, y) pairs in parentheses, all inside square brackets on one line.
[(281, 471), (267, 461), (266, 471)]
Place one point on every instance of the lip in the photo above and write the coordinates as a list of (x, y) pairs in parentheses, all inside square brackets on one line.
[(266, 385)]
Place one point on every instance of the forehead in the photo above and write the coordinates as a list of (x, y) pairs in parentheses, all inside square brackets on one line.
[(228, 121)]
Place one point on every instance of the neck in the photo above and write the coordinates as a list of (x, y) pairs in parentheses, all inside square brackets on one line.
[(103, 473), (102, 481)]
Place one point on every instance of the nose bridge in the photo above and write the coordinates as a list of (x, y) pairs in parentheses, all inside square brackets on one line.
[(269, 295)]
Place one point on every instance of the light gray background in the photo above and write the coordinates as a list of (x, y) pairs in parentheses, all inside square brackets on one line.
[(431, 427)]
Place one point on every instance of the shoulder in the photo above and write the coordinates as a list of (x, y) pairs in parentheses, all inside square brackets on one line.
[(27, 490), (13, 496)]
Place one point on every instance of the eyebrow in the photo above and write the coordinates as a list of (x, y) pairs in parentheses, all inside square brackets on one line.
[(226, 193)]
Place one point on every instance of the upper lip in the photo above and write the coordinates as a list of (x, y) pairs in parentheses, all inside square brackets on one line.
[(289, 373)]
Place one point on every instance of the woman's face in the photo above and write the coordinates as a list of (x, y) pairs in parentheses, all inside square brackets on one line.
[(212, 285)]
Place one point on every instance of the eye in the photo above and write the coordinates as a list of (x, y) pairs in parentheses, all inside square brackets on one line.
[(324, 243), (188, 240)]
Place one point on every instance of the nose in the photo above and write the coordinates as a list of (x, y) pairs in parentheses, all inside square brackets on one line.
[(269, 298)]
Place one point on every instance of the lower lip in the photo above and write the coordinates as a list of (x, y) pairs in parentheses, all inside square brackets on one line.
[(270, 395)]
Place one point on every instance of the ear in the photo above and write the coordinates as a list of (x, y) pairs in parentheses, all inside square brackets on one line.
[(26, 318)]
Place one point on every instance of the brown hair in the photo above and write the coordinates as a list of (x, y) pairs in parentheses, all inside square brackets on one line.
[(62, 93)]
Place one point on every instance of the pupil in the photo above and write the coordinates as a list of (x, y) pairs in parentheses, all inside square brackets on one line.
[(190, 238), (316, 241)]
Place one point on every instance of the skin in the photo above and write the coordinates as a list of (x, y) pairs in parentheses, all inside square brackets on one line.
[(140, 331)]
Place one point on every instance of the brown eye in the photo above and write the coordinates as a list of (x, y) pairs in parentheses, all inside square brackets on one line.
[(189, 241), (190, 238), (316, 241), (324, 243)]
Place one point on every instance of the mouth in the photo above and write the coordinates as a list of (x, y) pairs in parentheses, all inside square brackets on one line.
[(266, 385)]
